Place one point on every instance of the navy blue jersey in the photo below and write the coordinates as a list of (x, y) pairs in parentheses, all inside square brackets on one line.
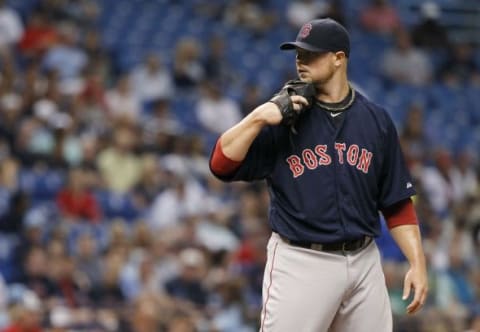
[(328, 182)]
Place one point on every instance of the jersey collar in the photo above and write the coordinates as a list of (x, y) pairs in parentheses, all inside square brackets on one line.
[(341, 105)]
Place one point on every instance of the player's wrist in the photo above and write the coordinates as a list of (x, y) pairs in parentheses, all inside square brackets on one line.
[(418, 263), (264, 114)]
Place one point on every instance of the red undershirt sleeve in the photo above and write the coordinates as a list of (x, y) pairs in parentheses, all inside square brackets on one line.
[(221, 164), (401, 213)]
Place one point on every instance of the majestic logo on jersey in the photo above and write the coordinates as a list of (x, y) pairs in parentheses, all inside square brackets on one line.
[(305, 31), (311, 159)]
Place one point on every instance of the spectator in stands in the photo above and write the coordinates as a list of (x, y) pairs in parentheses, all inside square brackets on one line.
[(87, 259), (39, 36), (35, 275), (335, 11), (122, 102), (12, 220), (138, 276), (67, 57), (70, 287), (90, 109), (467, 166), (11, 27), (98, 57), (196, 157), (189, 284), (148, 313), (119, 240), (380, 17), (184, 198), (152, 81), (142, 238), (252, 95), (414, 138), (188, 69), (251, 15), (42, 141), (26, 315), (160, 121), (152, 182), (301, 11), (405, 63), (214, 111), (460, 67), (217, 66), (182, 323), (454, 289), (68, 146), (429, 33), (10, 114), (107, 292), (9, 181), (34, 86), (230, 316), (85, 13), (442, 182), (119, 167), (75, 201), (165, 256)]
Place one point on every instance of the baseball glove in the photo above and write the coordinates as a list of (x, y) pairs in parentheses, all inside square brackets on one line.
[(284, 103)]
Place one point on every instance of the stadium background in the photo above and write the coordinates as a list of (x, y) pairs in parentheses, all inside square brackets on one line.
[(109, 218)]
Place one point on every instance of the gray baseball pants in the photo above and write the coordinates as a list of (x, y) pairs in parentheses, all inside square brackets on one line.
[(307, 290)]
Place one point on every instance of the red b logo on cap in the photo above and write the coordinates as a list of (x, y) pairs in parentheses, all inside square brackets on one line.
[(305, 30)]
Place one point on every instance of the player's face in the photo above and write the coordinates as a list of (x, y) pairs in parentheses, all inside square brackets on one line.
[(314, 66)]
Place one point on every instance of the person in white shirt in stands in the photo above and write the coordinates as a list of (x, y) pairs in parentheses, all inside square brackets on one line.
[(216, 112), (151, 80), (11, 27), (405, 63), (121, 102), (301, 11)]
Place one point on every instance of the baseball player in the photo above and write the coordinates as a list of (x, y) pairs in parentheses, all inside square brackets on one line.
[(332, 161)]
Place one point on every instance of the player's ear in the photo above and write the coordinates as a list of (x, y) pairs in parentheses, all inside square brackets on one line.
[(339, 58)]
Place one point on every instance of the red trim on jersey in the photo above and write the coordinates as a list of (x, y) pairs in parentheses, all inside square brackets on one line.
[(401, 213), (220, 163)]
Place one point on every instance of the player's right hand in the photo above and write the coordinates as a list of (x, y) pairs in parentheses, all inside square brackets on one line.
[(271, 114), (290, 107)]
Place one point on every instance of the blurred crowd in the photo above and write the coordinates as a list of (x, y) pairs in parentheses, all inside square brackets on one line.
[(109, 217)]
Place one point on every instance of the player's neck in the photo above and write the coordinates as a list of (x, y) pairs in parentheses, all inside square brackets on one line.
[(335, 90)]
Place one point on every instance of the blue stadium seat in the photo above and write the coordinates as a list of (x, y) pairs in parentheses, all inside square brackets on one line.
[(115, 205), (41, 185), (8, 259)]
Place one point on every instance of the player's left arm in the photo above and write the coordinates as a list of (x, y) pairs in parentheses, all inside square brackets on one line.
[(402, 222)]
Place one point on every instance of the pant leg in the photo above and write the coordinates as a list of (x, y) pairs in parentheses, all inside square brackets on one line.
[(302, 288), (366, 308)]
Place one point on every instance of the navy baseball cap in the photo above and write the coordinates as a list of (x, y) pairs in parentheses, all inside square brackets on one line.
[(321, 35)]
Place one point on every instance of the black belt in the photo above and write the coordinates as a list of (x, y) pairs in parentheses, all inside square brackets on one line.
[(344, 246)]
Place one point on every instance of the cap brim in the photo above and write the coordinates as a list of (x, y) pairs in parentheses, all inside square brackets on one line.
[(293, 45)]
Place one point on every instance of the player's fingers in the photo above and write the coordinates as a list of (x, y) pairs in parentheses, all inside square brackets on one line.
[(424, 296), (419, 299), (414, 305), (407, 285), (299, 100)]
